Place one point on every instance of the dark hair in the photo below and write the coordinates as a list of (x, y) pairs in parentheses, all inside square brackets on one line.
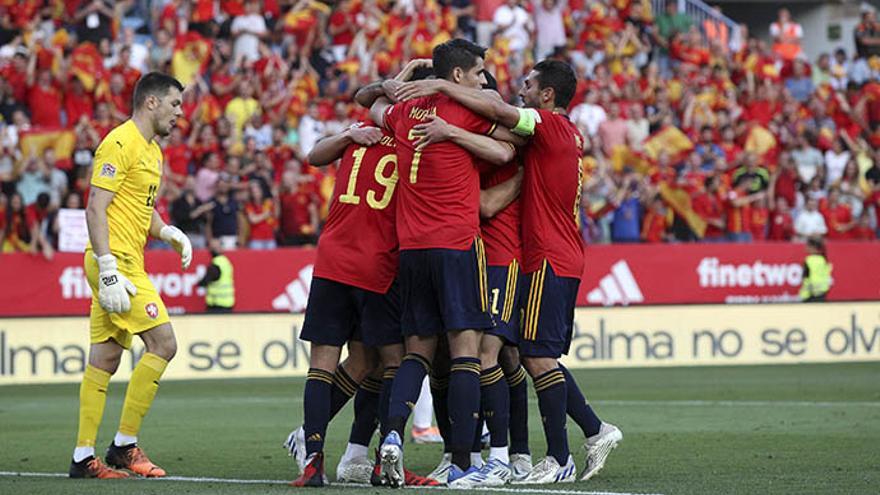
[(422, 73), (154, 83), (491, 82), (559, 76), (43, 200), (454, 53)]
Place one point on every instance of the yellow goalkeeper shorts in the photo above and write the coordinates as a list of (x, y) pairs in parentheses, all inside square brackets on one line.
[(147, 309)]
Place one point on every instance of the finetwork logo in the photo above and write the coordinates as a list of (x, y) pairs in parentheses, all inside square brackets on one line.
[(618, 287), (296, 294), (74, 284)]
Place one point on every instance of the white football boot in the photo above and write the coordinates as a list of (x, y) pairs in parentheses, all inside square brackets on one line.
[(598, 447), (355, 470), (549, 471), (296, 447), (520, 467)]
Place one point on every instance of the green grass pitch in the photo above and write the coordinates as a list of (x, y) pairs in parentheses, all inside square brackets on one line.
[(762, 429)]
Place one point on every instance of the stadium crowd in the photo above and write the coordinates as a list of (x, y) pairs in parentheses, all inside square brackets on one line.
[(694, 132)]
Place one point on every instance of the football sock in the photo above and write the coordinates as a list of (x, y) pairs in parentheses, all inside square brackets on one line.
[(476, 459), (142, 388), (121, 440), (82, 453), (424, 409), (344, 388), (385, 397), (495, 403), (499, 453), (551, 402), (92, 397), (316, 407), (578, 407), (477, 444), (353, 451), (519, 411), (366, 403), (464, 407), (405, 392), (439, 391)]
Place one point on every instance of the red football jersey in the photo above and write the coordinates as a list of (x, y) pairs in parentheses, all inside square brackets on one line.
[(358, 245), (501, 234), (438, 205), (551, 193)]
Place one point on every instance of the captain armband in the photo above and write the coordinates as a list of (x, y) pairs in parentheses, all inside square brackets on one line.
[(525, 127)]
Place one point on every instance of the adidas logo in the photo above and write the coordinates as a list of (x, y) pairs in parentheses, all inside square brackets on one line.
[(296, 294), (314, 437), (618, 287)]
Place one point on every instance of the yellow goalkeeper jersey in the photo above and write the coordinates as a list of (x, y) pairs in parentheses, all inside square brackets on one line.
[(128, 165)]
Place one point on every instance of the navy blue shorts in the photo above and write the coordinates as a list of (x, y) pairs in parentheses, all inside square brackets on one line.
[(548, 320), (505, 298), (337, 313), (443, 290)]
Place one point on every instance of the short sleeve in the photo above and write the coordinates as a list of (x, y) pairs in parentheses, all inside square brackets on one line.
[(109, 167), (391, 113)]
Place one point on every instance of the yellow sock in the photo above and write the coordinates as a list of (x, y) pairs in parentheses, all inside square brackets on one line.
[(92, 397), (141, 390)]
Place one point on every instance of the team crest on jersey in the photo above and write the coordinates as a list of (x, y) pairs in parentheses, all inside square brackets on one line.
[(152, 310), (108, 170)]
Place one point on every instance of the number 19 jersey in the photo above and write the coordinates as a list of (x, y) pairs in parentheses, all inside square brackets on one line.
[(358, 245)]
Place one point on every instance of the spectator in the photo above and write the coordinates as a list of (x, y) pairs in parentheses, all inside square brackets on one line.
[(862, 231), (838, 216), (516, 26), (807, 159), (299, 211), (655, 223), (240, 109), (261, 215), (809, 222), (311, 129), (613, 131), (248, 29), (835, 161), (188, 214), (867, 35), (781, 226), (222, 219), (589, 115), (207, 177), (786, 36), (626, 224), (16, 232), (33, 181), (549, 26), (799, 84), (709, 206)]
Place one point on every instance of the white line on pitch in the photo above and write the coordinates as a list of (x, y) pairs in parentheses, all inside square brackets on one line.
[(739, 403), (346, 485)]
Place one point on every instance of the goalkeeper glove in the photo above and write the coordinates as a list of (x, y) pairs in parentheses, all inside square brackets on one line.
[(113, 287), (180, 242)]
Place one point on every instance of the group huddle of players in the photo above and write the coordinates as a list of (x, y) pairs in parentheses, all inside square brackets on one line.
[(451, 250)]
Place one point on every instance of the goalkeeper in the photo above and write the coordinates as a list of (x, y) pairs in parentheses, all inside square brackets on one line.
[(121, 215)]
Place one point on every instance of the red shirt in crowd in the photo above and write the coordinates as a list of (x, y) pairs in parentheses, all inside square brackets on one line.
[(552, 190), (786, 186), (837, 217), (708, 206), (438, 201), (295, 210), (653, 226), (178, 158), (760, 219), (45, 105), (501, 233), (781, 226), (264, 229), (78, 105), (738, 217), (363, 208)]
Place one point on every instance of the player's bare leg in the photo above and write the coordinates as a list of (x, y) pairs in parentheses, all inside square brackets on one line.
[(123, 452), (104, 360)]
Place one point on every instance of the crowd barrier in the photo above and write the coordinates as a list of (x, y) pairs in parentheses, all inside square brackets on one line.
[(279, 280), (46, 350)]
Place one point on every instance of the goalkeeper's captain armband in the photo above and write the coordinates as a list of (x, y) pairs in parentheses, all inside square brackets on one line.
[(528, 117)]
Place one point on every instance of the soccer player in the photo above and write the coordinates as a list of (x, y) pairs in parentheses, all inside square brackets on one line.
[(353, 297), (120, 216), (443, 282), (500, 230), (552, 253)]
